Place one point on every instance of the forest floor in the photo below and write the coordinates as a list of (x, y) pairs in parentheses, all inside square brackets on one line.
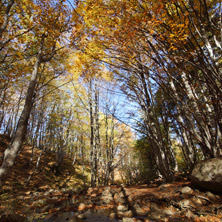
[(51, 198)]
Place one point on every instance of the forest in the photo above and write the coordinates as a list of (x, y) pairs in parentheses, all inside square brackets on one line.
[(129, 91)]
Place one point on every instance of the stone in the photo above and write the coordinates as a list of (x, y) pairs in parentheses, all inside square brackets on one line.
[(107, 198), (121, 201), (108, 188), (107, 195), (186, 190), (105, 211), (81, 207), (208, 174), (47, 193), (140, 211), (51, 190), (127, 219), (112, 215), (185, 203), (119, 198), (121, 194), (81, 216), (189, 214), (168, 212), (156, 215), (196, 201), (106, 191), (122, 207), (128, 213), (211, 196)]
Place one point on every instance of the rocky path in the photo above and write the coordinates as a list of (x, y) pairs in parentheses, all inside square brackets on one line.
[(167, 202)]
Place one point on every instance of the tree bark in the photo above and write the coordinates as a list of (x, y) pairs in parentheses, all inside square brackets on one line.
[(6, 17)]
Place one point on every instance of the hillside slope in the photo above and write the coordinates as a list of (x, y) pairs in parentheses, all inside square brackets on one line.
[(43, 179)]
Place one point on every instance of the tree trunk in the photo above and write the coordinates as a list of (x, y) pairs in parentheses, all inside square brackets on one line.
[(11, 152), (92, 153), (97, 135), (6, 17)]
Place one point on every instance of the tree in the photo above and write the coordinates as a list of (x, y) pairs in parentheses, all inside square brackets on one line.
[(173, 46), (46, 35)]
